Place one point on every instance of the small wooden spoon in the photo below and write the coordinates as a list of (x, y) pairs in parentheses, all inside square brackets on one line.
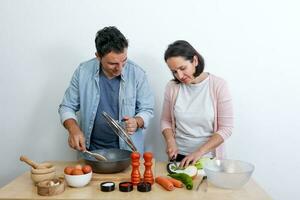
[(32, 163)]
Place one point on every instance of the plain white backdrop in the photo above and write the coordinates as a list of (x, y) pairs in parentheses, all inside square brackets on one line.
[(254, 45)]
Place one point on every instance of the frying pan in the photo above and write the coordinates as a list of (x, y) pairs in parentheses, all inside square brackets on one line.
[(117, 160)]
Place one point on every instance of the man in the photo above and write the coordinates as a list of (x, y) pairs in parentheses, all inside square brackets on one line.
[(111, 83)]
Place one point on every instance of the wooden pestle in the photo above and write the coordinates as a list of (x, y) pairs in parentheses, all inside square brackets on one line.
[(32, 163)]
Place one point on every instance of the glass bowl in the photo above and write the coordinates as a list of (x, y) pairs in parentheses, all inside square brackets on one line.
[(230, 174)]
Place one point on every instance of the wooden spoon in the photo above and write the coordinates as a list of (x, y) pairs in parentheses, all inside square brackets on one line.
[(32, 163)]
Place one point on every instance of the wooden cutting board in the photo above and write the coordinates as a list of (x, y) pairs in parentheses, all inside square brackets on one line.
[(124, 175)]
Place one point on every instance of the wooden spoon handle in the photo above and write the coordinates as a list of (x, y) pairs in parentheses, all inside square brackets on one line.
[(29, 162)]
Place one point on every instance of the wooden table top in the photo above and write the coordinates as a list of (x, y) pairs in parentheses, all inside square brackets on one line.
[(23, 188)]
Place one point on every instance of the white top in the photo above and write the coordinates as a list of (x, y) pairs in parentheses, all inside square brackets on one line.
[(194, 115)]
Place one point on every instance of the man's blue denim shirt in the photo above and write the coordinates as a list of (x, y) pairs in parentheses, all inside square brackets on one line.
[(83, 95)]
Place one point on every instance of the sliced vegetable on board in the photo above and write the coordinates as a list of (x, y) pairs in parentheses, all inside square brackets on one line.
[(191, 170)]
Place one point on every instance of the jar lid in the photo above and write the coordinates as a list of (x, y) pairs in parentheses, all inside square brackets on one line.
[(107, 186), (144, 187), (125, 186)]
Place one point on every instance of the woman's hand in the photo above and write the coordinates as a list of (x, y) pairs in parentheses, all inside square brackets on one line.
[(172, 149), (209, 146), (190, 159)]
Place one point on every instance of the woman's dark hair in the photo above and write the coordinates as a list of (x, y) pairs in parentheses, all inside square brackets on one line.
[(110, 39), (184, 49)]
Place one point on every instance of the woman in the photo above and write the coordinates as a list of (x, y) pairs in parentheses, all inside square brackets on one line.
[(197, 114)]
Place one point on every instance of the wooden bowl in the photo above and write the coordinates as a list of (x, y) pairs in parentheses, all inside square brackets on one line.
[(48, 168), (50, 187), (36, 178)]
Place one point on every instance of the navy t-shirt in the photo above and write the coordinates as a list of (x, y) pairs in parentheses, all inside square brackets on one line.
[(103, 136)]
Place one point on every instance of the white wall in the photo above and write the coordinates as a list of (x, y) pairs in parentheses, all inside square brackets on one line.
[(254, 45)]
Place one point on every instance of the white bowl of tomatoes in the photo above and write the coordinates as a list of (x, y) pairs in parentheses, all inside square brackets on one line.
[(78, 176)]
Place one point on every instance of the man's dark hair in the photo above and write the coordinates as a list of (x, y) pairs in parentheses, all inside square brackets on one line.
[(110, 39), (184, 49)]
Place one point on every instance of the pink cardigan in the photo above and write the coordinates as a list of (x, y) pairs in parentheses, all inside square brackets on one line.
[(223, 122)]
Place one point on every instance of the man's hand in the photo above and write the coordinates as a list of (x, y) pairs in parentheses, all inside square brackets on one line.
[(76, 138), (132, 124)]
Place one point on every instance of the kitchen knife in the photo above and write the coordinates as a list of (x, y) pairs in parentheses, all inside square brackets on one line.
[(205, 184)]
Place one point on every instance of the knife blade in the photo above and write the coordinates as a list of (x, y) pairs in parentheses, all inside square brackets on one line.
[(173, 160)]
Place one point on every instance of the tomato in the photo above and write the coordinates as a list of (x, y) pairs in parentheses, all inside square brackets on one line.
[(135, 155), (148, 156), (68, 170), (86, 169), (77, 172), (78, 167)]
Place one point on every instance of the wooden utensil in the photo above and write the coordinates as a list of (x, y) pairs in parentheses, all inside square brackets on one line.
[(50, 187), (36, 178), (50, 168), (32, 163)]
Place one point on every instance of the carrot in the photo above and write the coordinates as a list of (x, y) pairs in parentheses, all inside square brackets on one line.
[(168, 185), (175, 182)]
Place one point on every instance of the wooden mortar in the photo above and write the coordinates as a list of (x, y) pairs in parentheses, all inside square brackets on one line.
[(36, 178), (48, 168)]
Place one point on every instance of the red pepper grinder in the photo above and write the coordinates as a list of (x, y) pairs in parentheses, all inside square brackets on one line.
[(135, 163), (148, 175)]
